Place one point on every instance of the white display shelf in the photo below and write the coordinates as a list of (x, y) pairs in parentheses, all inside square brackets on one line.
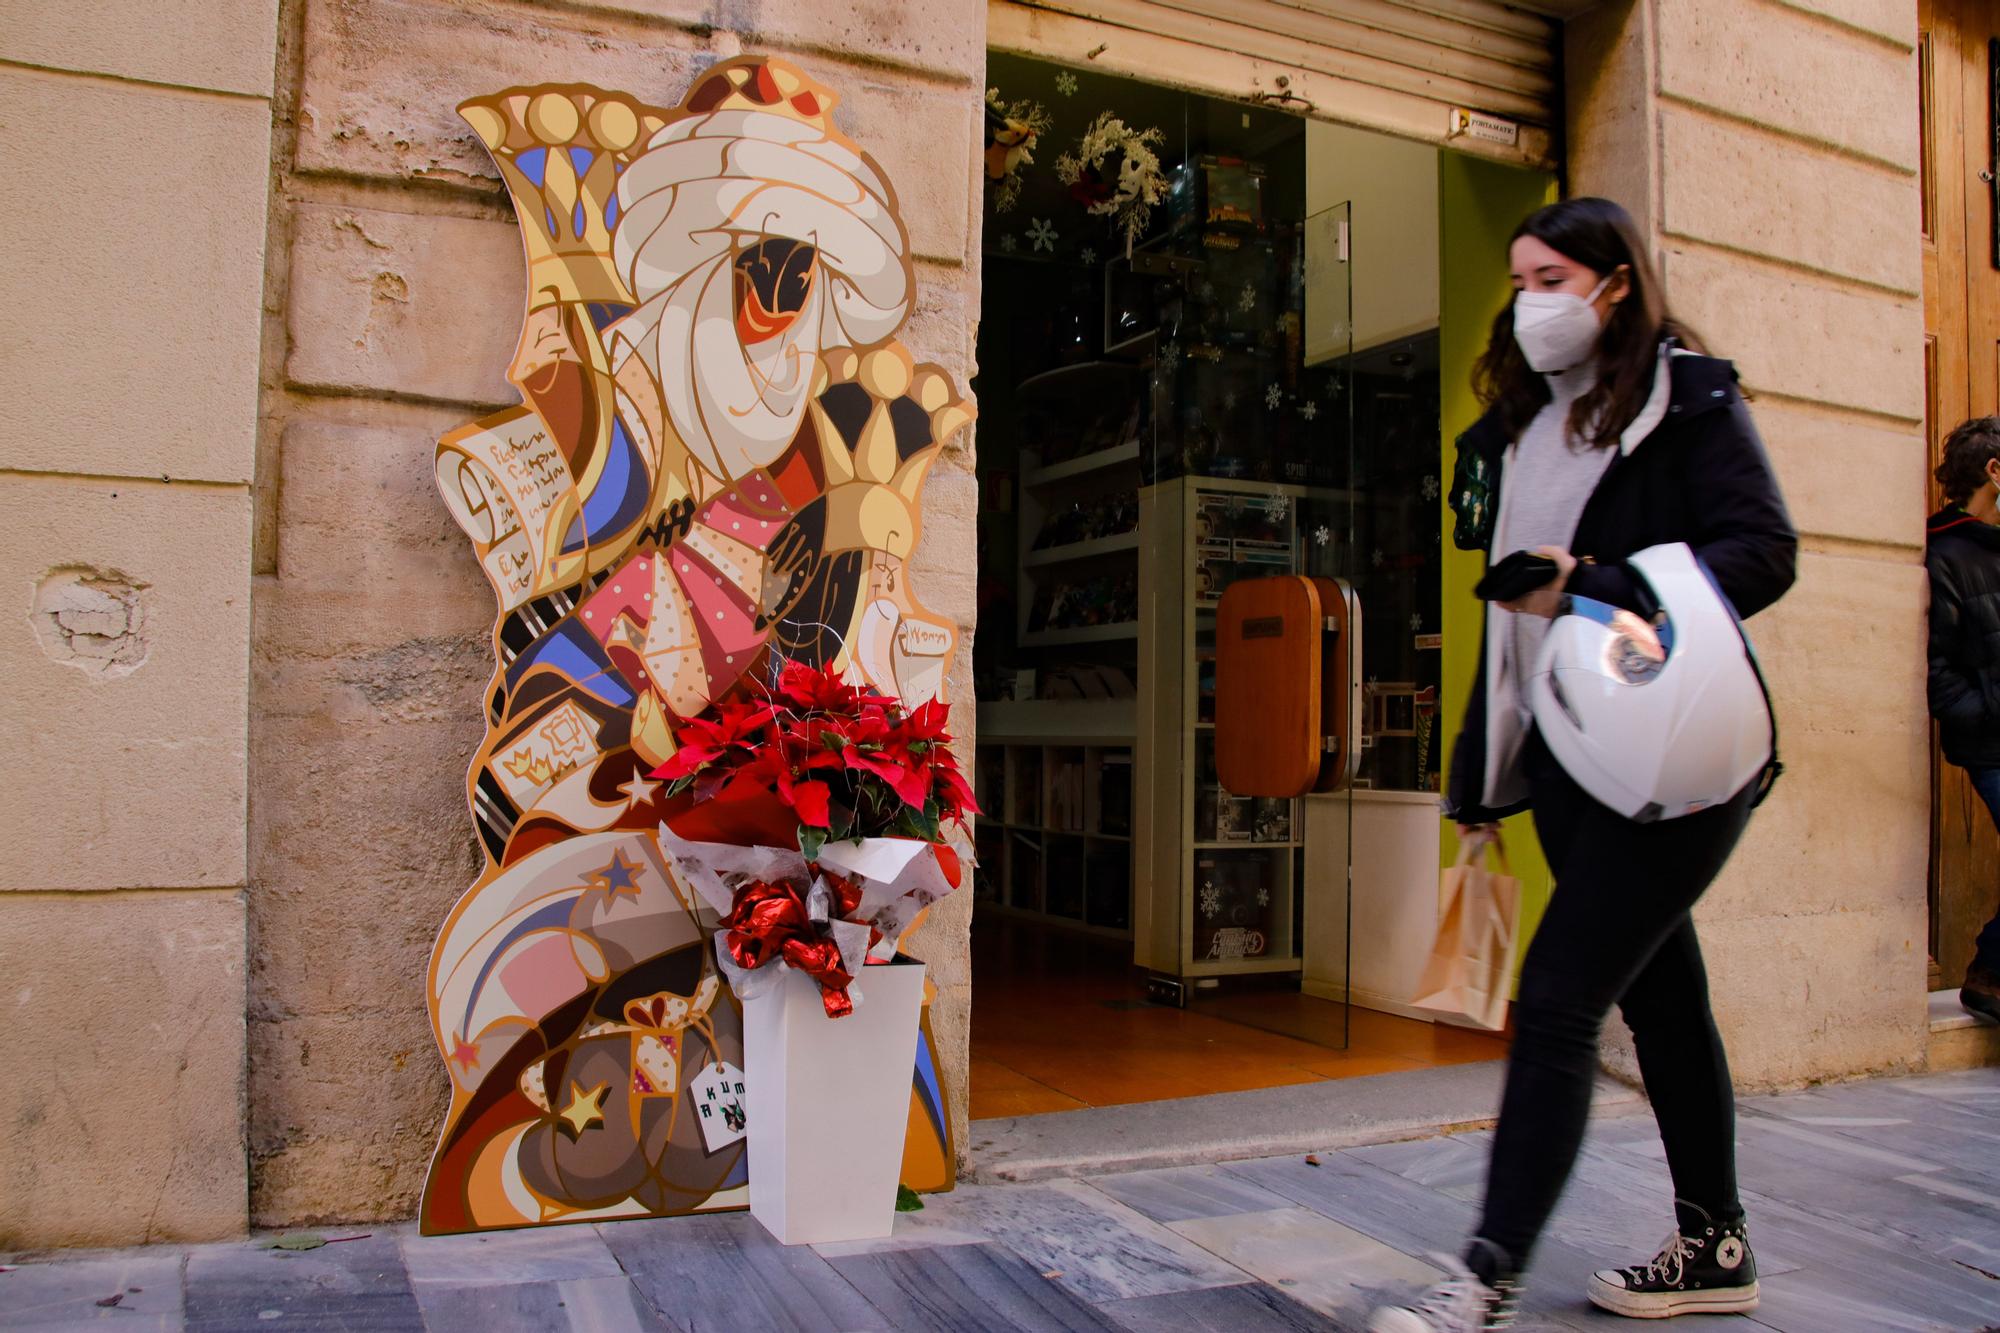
[(1072, 378), (1231, 967), (1061, 638), (1090, 550), (1088, 463), (1059, 721)]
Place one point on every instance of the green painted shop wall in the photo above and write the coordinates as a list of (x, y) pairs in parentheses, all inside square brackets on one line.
[(1480, 204)]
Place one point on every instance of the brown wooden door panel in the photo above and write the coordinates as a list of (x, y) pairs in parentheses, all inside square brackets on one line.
[(1962, 369)]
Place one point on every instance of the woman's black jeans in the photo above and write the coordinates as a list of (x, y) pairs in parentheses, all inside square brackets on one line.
[(1617, 931)]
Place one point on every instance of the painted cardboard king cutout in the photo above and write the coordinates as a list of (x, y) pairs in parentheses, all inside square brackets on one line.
[(718, 464)]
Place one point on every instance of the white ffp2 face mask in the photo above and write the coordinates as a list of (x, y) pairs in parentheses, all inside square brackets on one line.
[(1557, 330)]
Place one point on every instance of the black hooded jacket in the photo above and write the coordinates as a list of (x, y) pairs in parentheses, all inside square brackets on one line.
[(1963, 555), (1701, 477)]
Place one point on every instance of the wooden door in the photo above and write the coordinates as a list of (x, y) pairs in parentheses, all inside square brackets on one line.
[(1959, 100)]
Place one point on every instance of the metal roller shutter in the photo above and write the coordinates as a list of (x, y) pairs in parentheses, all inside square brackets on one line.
[(1403, 66)]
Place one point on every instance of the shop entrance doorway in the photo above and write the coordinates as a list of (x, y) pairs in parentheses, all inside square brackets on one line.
[(1959, 48), (1210, 349)]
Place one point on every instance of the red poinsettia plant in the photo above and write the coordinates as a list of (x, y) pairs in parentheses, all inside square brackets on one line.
[(849, 762)]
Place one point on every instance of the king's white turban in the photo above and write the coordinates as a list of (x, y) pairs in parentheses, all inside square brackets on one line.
[(708, 188)]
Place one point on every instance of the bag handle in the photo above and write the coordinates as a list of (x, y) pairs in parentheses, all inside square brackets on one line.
[(1470, 847)]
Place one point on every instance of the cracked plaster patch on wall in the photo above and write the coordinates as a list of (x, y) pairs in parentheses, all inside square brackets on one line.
[(91, 619)]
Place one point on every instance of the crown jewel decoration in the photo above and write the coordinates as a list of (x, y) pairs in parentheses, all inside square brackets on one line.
[(560, 152)]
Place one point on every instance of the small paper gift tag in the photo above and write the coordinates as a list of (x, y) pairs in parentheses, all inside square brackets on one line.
[(718, 1101)]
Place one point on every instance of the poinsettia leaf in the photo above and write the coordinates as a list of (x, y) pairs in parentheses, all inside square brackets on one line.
[(810, 841), (813, 802)]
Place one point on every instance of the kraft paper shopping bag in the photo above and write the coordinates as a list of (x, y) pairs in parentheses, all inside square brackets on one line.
[(1471, 966)]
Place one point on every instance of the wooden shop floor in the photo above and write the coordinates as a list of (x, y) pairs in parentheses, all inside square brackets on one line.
[(1060, 1021)]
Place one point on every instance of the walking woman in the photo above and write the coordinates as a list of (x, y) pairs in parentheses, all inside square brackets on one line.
[(1606, 433)]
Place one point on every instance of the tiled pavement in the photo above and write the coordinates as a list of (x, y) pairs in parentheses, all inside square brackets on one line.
[(1873, 1206)]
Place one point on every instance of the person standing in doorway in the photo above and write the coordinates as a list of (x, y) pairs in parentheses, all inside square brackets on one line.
[(1606, 433), (1963, 555)]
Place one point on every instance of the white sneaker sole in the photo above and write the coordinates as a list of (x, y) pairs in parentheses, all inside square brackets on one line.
[(1667, 1304)]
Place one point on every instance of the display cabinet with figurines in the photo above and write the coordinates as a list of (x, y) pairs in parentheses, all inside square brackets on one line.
[(1221, 873)]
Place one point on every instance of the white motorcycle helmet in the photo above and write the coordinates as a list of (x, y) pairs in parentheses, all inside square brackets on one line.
[(1656, 717)]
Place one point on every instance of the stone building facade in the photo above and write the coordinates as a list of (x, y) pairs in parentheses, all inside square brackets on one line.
[(249, 668)]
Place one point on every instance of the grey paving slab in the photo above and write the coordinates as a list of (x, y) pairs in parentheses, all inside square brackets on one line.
[(1807, 1302), (966, 1289), (1958, 1136), (573, 1305), (538, 1254), (725, 1272), (1268, 1122), (1315, 1260), (1176, 1193), (354, 1285), (1251, 1307), (1411, 1217), (143, 1286), (1103, 1249)]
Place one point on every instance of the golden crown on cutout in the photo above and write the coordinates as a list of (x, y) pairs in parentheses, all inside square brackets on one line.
[(873, 479), (763, 83), (559, 149)]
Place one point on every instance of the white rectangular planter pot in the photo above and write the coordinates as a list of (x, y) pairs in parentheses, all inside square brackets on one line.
[(828, 1103)]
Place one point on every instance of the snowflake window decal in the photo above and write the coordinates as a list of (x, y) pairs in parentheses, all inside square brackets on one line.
[(1308, 410), (1263, 897), (1211, 899), (1088, 255), (1246, 300), (1430, 488), (1008, 244), (1273, 395), (1066, 84), (1322, 535), (1043, 233), (1278, 508)]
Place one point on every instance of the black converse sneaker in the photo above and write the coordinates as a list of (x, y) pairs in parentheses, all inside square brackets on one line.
[(1461, 1303), (1704, 1268)]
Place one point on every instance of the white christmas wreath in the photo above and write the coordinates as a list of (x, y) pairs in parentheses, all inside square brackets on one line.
[(1141, 182)]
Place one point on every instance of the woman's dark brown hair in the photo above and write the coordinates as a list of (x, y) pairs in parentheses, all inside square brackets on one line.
[(1967, 451), (1602, 237)]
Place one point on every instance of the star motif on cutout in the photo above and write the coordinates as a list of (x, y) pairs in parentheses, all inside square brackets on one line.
[(585, 1108), (464, 1053), (639, 791), (619, 876)]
